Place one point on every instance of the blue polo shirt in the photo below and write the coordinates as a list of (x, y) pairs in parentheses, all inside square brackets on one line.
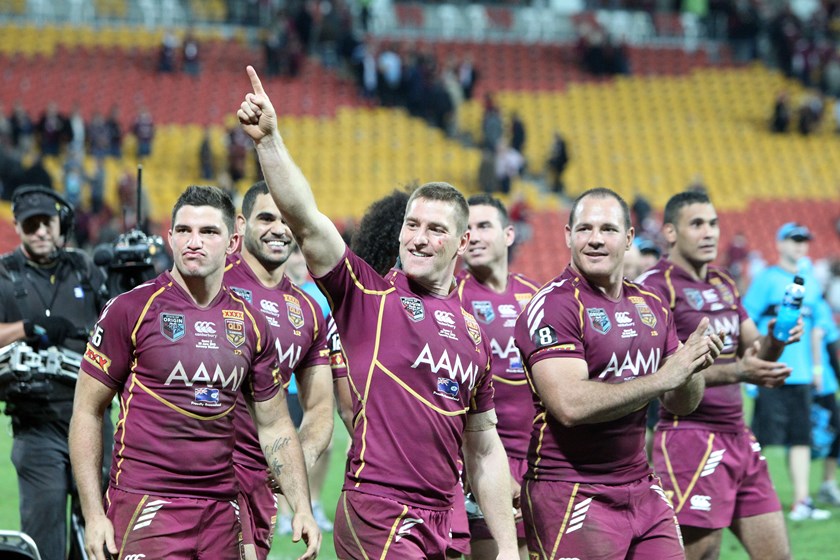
[(762, 300)]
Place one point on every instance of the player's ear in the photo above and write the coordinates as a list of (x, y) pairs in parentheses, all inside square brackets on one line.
[(233, 243), (240, 224), (510, 236), (670, 233), (568, 236), (463, 243)]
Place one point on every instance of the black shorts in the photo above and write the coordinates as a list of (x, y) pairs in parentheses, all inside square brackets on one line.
[(783, 415), (829, 402), (295, 410)]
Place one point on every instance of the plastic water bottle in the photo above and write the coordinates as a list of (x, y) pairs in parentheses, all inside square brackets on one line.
[(789, 309)]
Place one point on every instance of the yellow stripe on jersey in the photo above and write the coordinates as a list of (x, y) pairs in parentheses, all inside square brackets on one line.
[(566, 518), (361, 286), (146, 310), (185, 412), (350, 525), (531, 507), (671, 290), (525, 282), (417, 396), (393, 531), (257, 331), (126, 407), (539, 417), (364, 398), (315, 312), (580, 310), (131, 521), (509, 381)]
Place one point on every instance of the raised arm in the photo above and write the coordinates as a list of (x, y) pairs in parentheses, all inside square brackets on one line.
[(319, 240), (283, 453), (316, 400), (89, 404)]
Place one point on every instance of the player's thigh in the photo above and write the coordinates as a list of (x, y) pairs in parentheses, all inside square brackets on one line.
[(654, 523), (568, 520), (700, 472), (701, 544), (764, 536), (756, 495), (368, 526)]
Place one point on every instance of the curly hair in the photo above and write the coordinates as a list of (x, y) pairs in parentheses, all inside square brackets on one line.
[(377, 239)]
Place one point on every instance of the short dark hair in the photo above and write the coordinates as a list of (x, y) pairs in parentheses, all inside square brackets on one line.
[(377, 239), (680, 201), (485, 199), (250, 198), (602, 192), (204, 195), (445, 192)]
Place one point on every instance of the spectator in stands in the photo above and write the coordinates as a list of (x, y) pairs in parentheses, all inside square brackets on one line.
[(52, 130), (641, 210), (22, 128), (73, 177), (10, 171), (467, 76), (238, 146), (456, 97), (810, 114), (76, 130), (205, 156), (558, 159), (36, 174), (735, 259), (744, 26), (517, 133), (114, 132), (509, 165), (487, 171), (192, 65), (98, 135), (167, 56), (781, 114), (390, 68), (144, 131), (96, 182), (5, 128), (492, 128)]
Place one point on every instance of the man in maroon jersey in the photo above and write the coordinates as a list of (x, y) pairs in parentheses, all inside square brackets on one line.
[(596, 350), (711, 463), (178, 350), (257, 274), (496, 296), (417, 365)]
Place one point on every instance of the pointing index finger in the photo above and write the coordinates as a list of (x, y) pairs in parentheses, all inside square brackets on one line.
[(256, 84)]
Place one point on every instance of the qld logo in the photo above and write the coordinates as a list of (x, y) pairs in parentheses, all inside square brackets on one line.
[(172, 326), (414, 308), (483, 311), (295, 314), (234, 326), (599, 319)]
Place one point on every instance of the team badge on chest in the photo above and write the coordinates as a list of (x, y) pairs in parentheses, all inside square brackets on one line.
[(484, 311), (294, 312), (644, 311), (599, 319), (694, 298), (472, 327), (234, 326), (414, 308), (172, 326)]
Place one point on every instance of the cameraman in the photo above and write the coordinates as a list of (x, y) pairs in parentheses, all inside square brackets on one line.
[(49, 296)]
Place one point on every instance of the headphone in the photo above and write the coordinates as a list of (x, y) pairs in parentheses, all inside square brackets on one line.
[(66, 214)]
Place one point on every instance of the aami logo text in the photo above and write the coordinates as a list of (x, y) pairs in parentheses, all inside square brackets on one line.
[(291, 355), (731, 328), (453, 369), (203, 375), (635, 366), (510, 349)]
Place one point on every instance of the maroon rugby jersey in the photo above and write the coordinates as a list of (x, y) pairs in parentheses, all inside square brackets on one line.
[(178, 370), (300, 339), (496, 315), (570, 318), (417, 365), (717, 298)]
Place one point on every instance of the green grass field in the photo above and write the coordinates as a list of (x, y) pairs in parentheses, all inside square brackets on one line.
[(810, 540)]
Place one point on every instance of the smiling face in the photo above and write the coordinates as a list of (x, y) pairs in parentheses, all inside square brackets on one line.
[(430, 242), (598, 239), (695, 235), (200, 241), (265, 234), (489, 238)]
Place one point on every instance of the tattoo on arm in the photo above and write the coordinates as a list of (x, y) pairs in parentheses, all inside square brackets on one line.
[(276, 468), (274, 462)]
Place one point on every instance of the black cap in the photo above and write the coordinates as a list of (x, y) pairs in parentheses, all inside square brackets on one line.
[(34, 203)]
